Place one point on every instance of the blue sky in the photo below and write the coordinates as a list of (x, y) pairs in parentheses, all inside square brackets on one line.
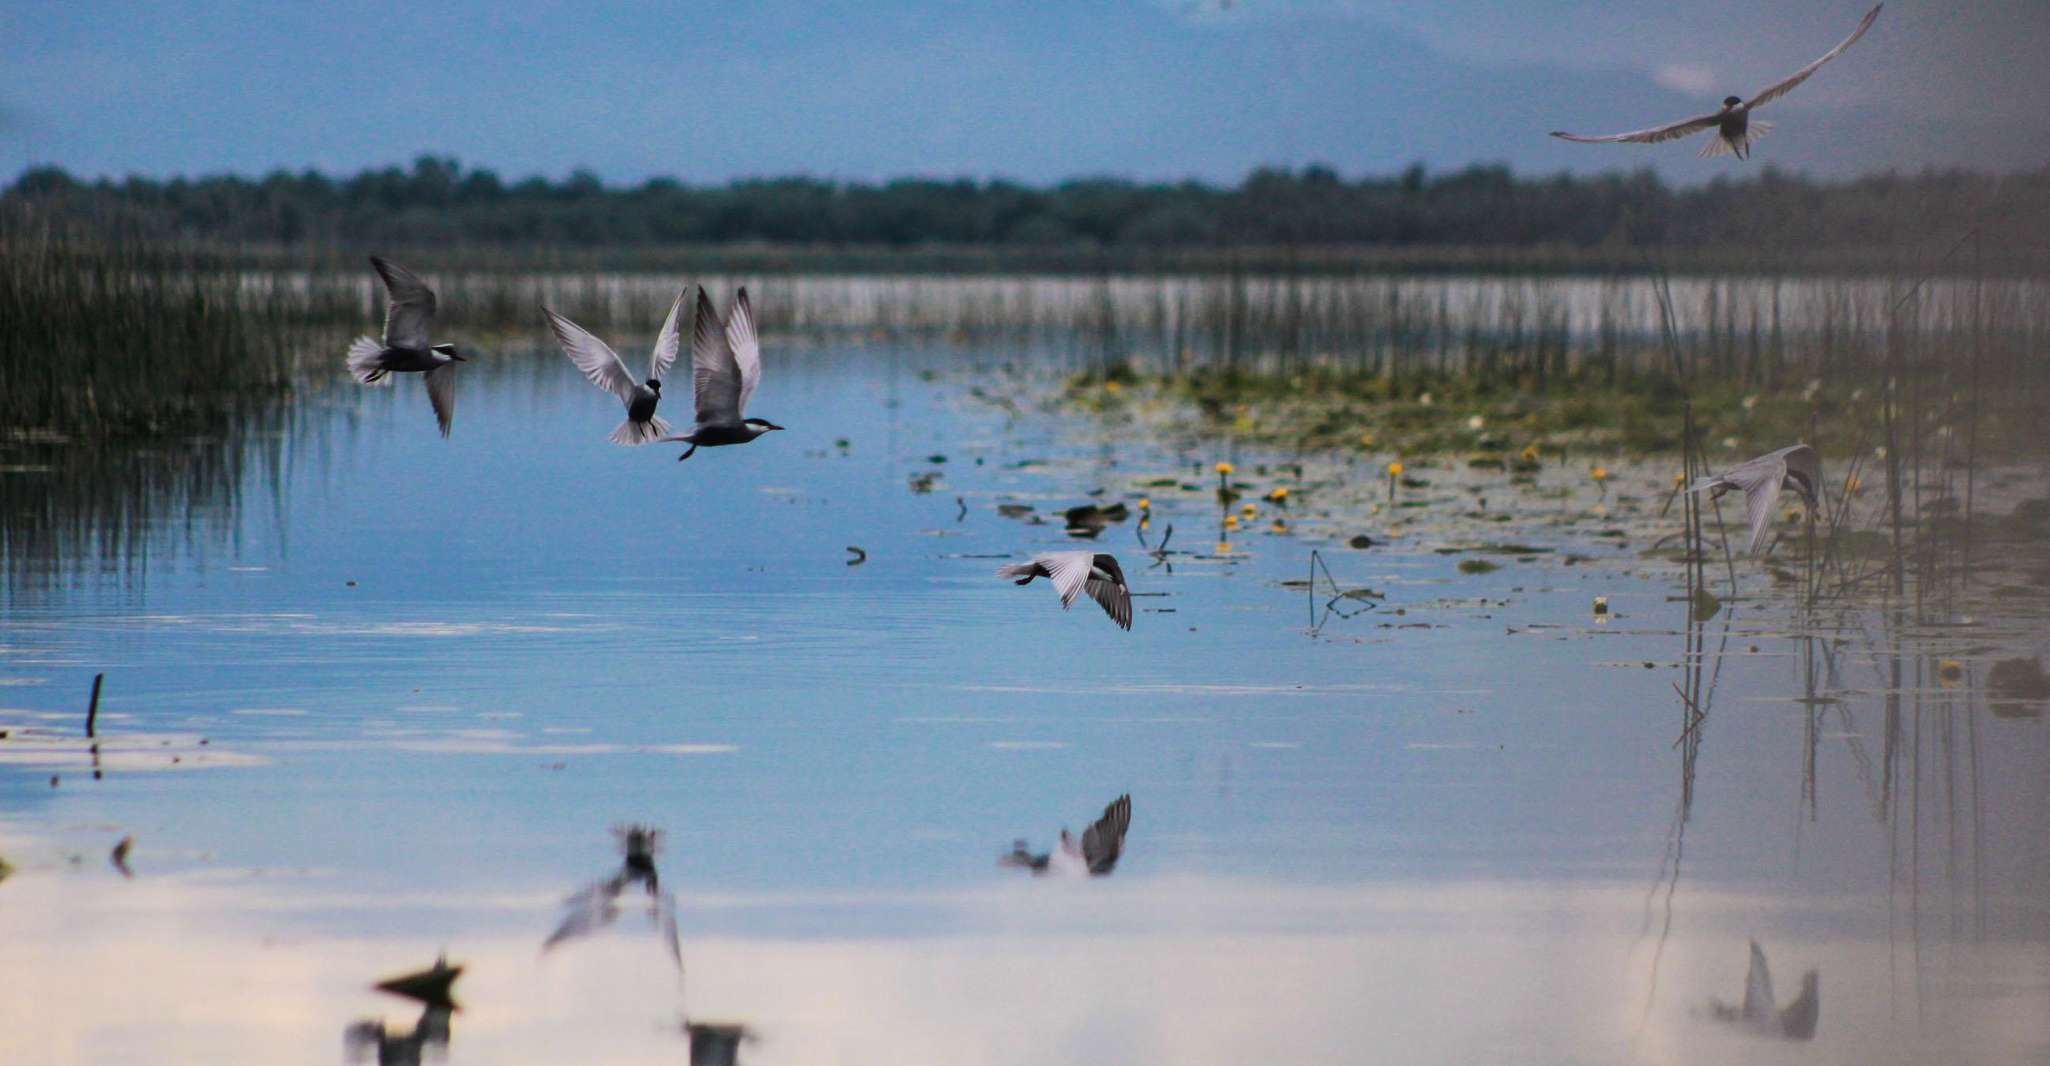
[(1034, 91)]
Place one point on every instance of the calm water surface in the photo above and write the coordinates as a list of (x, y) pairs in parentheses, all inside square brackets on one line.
[(387, 699)]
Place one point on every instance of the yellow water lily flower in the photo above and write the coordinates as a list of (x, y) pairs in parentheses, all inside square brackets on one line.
[(1599, 473), (1278, 495), (1949, 672), (1225, 469), (1395, 469)]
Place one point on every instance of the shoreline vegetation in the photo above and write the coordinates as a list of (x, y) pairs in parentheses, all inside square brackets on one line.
[(1309, 221)]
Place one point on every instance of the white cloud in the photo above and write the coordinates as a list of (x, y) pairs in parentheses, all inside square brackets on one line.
[(1686, 77)]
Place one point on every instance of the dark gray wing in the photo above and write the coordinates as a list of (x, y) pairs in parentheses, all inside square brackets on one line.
[(409, 310), (1103, 842), (441, 392), (1804, 469), (1112, 595), (1781, 88)]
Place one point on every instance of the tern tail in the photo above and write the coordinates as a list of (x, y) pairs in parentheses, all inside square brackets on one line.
[(631, 433), (363, 362)]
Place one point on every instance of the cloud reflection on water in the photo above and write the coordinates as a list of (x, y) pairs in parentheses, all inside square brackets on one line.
[(1138, 970)]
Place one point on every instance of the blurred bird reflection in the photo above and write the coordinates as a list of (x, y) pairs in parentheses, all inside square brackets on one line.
[(1761, 1013), (429, 1037), (596, 907)]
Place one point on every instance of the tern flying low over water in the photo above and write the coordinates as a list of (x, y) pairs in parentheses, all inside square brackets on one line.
[(1760, 479), (1734, 126), (1095, 854), (406, 348), (727, 365), (1073, 573), (606, 370)]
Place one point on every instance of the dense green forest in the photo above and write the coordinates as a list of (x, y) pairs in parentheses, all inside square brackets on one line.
[(439, 201)]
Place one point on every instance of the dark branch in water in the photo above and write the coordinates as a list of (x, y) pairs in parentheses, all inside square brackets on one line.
[(92, 712)]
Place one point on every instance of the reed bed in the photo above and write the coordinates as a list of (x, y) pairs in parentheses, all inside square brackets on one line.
[(102, 337)]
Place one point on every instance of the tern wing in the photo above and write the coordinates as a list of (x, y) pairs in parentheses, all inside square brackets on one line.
[(1669, 131), (1760, 479), (600, 364), (409, 310), (665, 920), (716, 374), (746, 347), (1069, 571), (588, 911), (1103, 842), (441, 392), (1802, 461), (670, 340), (1781, 88), (1112, 595)]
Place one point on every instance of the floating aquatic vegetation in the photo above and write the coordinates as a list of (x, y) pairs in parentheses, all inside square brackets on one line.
[(2020, 679)]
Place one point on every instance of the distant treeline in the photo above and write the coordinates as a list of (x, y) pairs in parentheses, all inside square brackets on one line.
[(440, 202)]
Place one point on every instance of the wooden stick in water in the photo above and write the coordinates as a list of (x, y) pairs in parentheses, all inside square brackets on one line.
[(92, 713)]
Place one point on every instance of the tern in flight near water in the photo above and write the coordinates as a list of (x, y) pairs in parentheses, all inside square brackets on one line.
[(606, 370), (727, 365), (1734, 126), (1760, 479), (406, 349), (1073, 573), (1095, 854)]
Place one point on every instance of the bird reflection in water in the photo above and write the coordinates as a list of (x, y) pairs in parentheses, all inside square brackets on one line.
[(598, 906), (1096, 853), (1761, 1013), (429, 1037), (716, 1043)]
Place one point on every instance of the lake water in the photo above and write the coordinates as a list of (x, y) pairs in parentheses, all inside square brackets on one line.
[(383, 696)]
